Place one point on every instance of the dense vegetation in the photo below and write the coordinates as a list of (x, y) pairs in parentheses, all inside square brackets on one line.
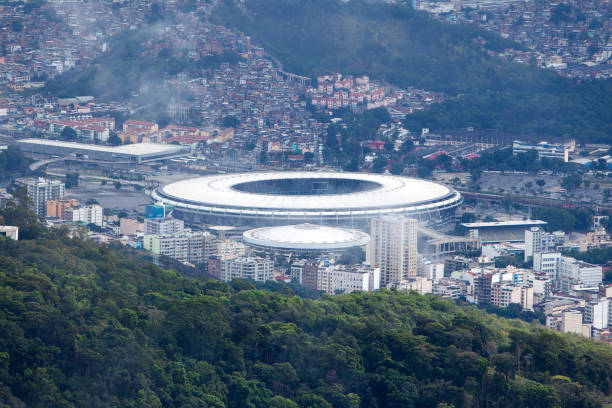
[(564, 219), (504, 160), (83, 325), (408, 48), (12, 162)]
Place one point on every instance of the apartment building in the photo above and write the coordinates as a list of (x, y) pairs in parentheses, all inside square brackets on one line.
[(40, 191), (393, 248)]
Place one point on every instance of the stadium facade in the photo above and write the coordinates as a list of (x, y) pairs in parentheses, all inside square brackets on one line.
[(325, 198)]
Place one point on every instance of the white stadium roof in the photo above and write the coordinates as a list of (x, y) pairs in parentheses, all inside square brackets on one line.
[(275, 198), (305, 237), (219, 190)]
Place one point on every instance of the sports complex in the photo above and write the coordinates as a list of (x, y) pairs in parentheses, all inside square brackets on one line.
[(326, 198)]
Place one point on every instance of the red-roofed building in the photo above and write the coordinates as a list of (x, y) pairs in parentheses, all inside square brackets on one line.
[(377, 144), (140, 125)]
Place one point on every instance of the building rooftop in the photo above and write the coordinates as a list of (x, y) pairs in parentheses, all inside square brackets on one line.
[(305, 237), (518, 223), (347, 191), (136, 149)]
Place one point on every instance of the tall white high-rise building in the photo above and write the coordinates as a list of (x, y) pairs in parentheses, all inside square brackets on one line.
[(40, 191), (533, 242), (596, 312), (393, 248)]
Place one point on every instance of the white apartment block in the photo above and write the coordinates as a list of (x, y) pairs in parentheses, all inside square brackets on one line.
[(348, 278), (546, 262), (419, 284), (504, 293), (567, 272), (433, 271), (192, 247), (598, 313), (533, 242), (451, 288), (90, 214), (227, 249), (393, 248), (544, 149), (253, 268), (163, 226), (584, 274), (40, 191)]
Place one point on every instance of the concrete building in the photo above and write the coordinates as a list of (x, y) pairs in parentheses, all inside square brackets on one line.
[(130, 226), (393, 248), (574, 272), (597, 313), (450, 288), (228, 248), (136, 153), (57, 208), (89, 214), (482, 287), (5, 198), (10, 231), (40, 191), (348, 278), (543, 149), (305, 272), (605, 290), (500, 231), (433, 271), (546, 262), (542, 288), (533, 242), (567, 272), (505, 293), (419, 284), (163, 226), (569, 321), (253, 268), (192, 247)]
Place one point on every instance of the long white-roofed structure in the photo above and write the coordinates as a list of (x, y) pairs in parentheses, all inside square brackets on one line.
[(281, 198), (136, 153)]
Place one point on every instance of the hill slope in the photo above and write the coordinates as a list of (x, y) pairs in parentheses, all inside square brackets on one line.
[(404, 47), (87, 325)]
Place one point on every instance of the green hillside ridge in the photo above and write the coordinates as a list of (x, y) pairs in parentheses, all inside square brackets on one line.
[(407, 48), (87, 325)]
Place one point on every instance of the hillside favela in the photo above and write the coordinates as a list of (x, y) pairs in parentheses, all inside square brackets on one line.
[(306, 204)]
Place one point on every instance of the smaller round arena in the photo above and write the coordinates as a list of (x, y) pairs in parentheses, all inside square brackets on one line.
[(305, 238)]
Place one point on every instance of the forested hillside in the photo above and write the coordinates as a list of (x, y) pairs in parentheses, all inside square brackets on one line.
[(404, 47), (83, 325)]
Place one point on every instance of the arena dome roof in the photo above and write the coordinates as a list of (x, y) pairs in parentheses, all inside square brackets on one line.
[(305, 237)]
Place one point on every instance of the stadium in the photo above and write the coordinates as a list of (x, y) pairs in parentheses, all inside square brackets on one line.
[(326, 198)]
